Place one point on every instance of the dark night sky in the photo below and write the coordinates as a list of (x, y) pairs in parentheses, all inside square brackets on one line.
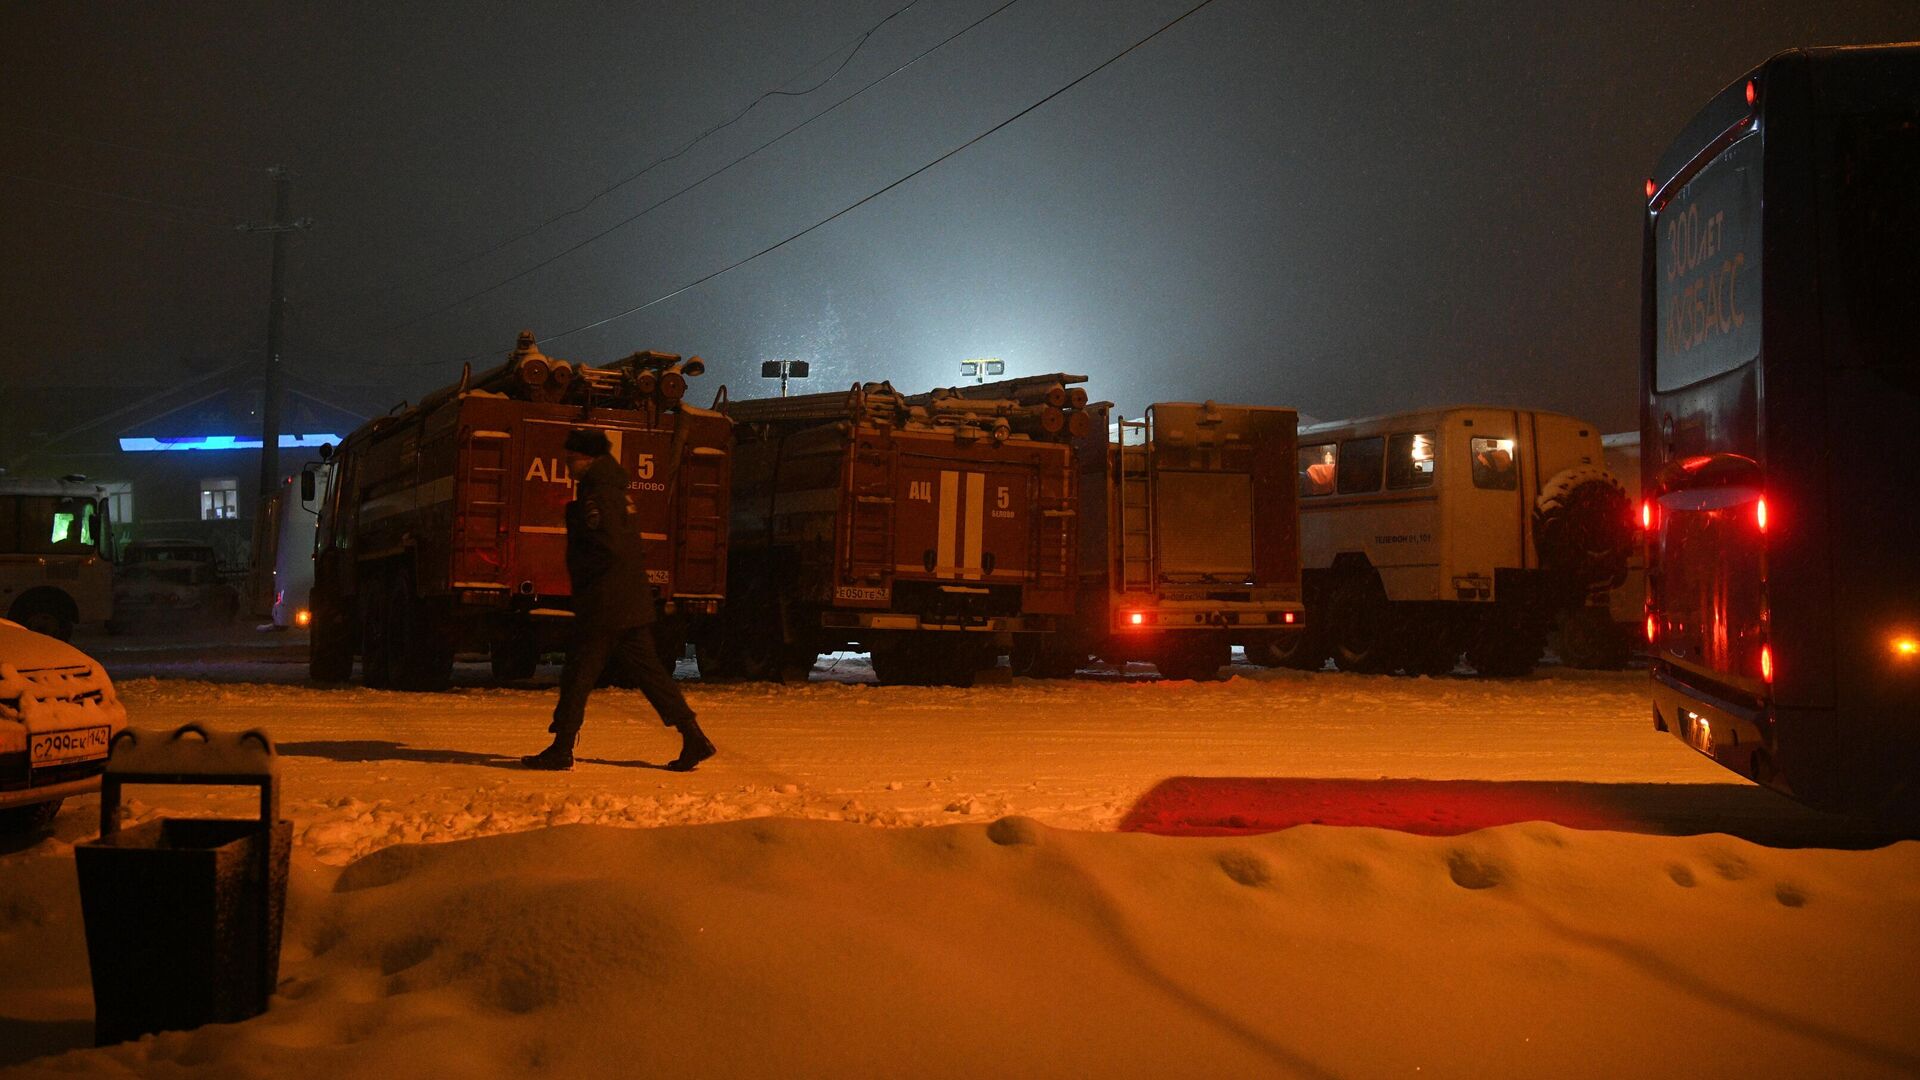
[(1346, 208)]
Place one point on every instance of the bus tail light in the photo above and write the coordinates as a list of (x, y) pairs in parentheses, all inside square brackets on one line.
[(1650, 630), (1766, 663), (1287, 617), (1752, 92), (1136, 619), (1760, 514), (1646, 514)]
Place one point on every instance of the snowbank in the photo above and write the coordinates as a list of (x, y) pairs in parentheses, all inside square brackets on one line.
[(784, 948)]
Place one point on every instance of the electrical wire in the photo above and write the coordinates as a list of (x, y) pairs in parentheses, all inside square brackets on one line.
[(858, 44), (116, 195), (384, 331), (134, 149), (863, 200)]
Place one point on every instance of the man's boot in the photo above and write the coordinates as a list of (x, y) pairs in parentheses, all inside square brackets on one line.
[(555, 758), (695, 747)]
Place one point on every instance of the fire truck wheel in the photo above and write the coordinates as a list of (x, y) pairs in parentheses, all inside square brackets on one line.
[(1035, 659), (376, 635), (1359, 624), (424, 658), (513, 656), (330, 645)]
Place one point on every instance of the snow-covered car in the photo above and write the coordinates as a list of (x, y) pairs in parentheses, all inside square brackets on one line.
[(160, 583), (58, 716)]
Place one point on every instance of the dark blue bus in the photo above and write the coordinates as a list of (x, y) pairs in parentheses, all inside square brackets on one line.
[(1780, 408)]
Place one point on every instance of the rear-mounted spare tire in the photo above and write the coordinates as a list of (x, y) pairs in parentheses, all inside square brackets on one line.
[(1582, 527)]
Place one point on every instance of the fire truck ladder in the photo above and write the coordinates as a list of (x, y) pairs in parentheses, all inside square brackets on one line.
[(1135, 500), (483, 504), (870, 516)]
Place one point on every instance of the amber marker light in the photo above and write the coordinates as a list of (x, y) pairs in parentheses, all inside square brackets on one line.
[(1651, 187), (1906, 648), (302, 617), (1650, 634)]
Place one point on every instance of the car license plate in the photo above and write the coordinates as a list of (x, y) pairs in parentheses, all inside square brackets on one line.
[(79, 744)]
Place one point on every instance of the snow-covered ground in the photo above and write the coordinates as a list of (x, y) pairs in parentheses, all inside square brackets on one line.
[(1053, 942)]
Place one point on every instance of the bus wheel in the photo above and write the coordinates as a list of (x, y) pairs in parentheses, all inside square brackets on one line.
[(1301, 650), (1360, 627), (45, 612), (1503, 651), (1588, 638), (1428, 645)]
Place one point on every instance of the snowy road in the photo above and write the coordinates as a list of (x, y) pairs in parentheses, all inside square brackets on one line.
[(366, 769), (1493, 945)]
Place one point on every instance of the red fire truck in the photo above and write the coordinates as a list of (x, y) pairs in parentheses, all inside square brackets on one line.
[(443, 528), (929, 530), (1189, 542)]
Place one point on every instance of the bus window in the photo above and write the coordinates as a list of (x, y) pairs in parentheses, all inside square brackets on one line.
[(54, 525), (1359, 465), (1493, 465), (1316, 469), (1410, 460)]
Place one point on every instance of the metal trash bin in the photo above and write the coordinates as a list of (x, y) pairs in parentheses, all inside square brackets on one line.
[(183, 915)]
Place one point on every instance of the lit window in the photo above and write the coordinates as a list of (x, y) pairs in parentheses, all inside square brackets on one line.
[(1316, 469), (1493, 465), (1410, 460), (219, 499)]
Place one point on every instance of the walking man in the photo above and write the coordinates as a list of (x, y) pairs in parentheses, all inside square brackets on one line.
[(612, 608)]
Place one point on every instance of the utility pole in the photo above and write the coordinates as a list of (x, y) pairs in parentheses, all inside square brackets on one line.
[(260, 588), (273, 377)]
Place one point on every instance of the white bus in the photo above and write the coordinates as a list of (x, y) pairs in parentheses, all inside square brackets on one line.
[(56, 565), (1427, 534)]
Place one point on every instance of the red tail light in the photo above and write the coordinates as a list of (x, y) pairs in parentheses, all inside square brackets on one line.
[(1646, 514), (1760, 514), (1136, 618), (1751, 94), (1287, 617), (1650, 634), (1651, 187), (1766, 663)]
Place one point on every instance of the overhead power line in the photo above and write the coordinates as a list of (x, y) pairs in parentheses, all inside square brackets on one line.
[(470, 258), (865, 199), (117, 195), (384, 331), (132, 149)]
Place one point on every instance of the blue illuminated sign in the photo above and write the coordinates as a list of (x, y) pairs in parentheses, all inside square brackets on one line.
[(224, 442)]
